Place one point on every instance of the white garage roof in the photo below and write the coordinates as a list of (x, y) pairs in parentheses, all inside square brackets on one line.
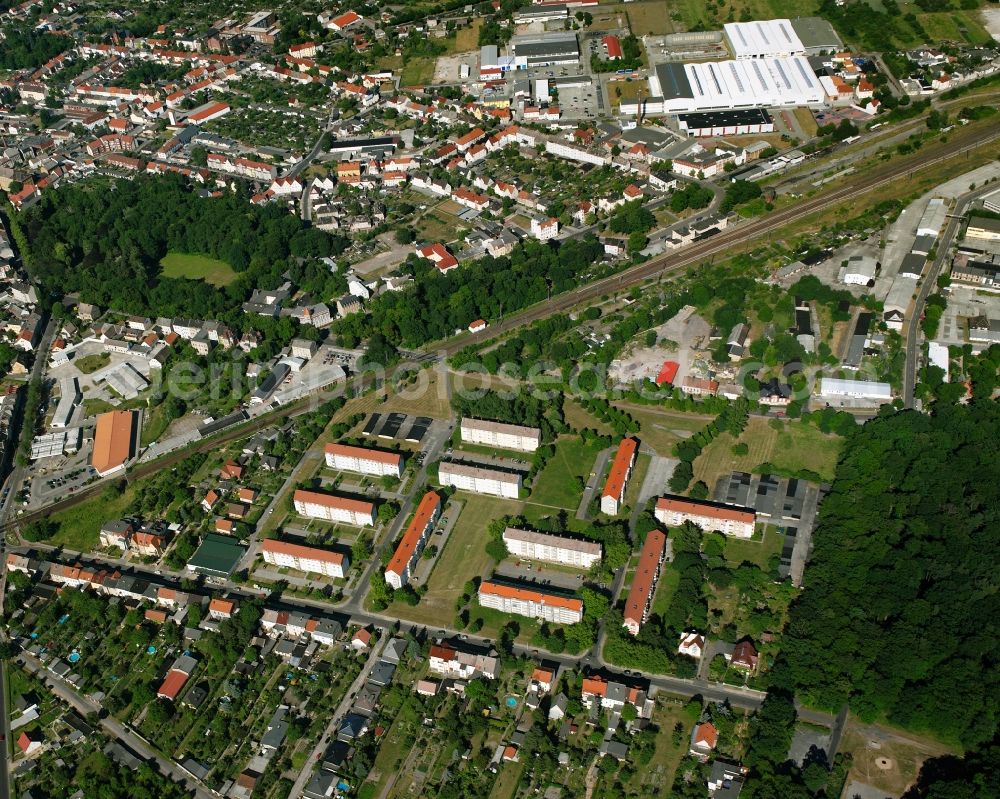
[(771, 37)]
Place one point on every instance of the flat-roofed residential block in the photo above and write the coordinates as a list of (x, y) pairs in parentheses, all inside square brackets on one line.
[(480, 479), (647, 574), (738, 522), (621, 470), (533, 545), (305, 559), (364, 460), (500, 434), (529, 602), (397, 573), (333, 508)]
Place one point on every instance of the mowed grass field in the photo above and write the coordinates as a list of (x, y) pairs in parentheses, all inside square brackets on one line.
[(796, 447), (197, 267), (557, 483), (463, 558)]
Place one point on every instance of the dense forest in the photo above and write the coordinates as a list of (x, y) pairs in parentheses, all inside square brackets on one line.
[(903, 579), (105, 241), (25, 48), (437, 305)]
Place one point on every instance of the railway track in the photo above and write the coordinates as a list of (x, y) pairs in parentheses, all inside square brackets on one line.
[(665, 264)]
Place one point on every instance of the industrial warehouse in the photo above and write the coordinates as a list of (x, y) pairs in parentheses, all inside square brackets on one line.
[(727, 85)]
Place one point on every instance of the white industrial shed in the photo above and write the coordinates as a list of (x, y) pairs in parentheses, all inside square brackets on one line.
[(855, 389), (726, 85), (764, 38)]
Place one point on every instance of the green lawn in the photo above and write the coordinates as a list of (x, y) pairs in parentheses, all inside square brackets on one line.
[(89, 364), (797, 446), (558, 483), (197, 267), (463, 558), (739, 550)]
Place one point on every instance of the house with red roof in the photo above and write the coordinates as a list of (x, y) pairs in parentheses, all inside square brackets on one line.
[(29, 743), (704, 738)]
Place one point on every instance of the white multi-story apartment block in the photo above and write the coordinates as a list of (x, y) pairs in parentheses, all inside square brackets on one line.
[(397, 573), (364, 460), (674, 511), (572, 153), (528, 602), (500, 434), (621, 470), (551, 548), (332, 508), (305, 559), (480, 480)]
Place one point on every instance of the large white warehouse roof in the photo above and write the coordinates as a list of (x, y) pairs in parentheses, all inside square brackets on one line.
[(770, 37), (721, 85)]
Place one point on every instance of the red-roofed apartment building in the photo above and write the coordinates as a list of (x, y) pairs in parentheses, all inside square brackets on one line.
[(640, 595), (305, 559), (397, 573), (333, 508), (621, 469), (366, 461), (528, 602), (674, 511)]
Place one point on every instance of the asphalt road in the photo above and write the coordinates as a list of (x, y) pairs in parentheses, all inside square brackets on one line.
[(330, 733), (5, 791), (928, 284)]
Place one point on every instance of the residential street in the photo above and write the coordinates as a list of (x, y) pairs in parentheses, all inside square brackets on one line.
[(114, 728)]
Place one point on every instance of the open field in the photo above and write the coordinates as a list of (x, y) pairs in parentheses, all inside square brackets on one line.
[(694, 12), (80, 527), (905, 755), (797, 447), (558, 484), (427, 396), (467, 39), (650, 17), (417, 71), (508, 777), (437, 225), (621, 91), (463, 558), (197, 267), (806, 120), (954, 26)]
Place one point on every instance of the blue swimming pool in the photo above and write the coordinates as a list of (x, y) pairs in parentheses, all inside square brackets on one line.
[(74, 657), (511, 701)]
